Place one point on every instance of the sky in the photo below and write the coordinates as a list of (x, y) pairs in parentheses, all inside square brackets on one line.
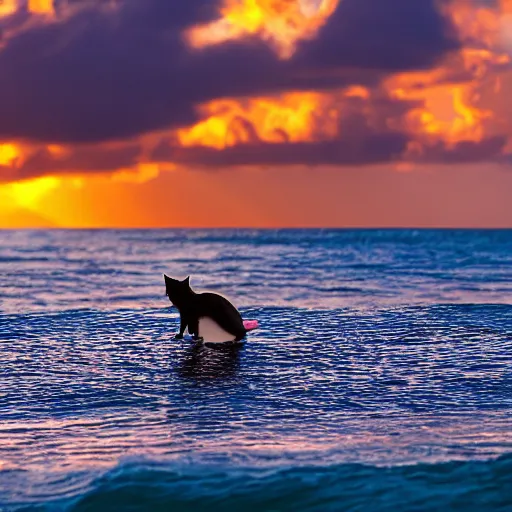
[(255, 113)]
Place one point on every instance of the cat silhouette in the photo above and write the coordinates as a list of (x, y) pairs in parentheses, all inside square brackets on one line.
[(201, 312)]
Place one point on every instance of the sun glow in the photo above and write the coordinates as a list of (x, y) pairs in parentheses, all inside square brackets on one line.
[(28, 194)]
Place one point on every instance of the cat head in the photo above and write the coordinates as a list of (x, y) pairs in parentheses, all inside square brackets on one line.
[(176, 290)]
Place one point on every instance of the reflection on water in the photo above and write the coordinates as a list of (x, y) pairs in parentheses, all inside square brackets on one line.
[(201, 362)]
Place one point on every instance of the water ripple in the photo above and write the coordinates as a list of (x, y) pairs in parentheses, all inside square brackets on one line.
[(305, 371), (378, 348), (311, 268)]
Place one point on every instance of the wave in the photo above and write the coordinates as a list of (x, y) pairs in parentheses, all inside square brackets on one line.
[(469, 486)]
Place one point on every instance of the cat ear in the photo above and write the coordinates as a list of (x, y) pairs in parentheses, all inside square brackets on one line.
[(187, 280)]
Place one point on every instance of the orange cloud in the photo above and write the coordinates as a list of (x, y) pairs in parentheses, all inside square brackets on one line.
[(283, 23), (41, 6), (487, 26), (9, 154), (293, 117), (8, 7), (445, 112)]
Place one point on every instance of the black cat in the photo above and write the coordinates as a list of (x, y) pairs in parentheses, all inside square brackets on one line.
[(194, 306)]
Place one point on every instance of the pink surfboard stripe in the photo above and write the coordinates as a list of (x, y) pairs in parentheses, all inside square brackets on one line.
[(250, 325)]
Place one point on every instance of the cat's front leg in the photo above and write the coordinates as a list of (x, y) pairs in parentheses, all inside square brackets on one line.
[(183, 326)]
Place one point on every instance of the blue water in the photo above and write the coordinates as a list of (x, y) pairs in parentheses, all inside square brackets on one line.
[(380, 379)]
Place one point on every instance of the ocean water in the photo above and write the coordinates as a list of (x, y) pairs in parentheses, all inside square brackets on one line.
[(380, 378)]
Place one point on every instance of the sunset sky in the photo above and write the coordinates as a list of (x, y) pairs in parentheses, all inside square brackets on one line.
[(264, 113)]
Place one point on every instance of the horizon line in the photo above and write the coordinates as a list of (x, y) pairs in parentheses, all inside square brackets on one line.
[(257, 228)]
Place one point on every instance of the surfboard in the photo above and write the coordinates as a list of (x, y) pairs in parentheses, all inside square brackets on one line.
[(211, 332)]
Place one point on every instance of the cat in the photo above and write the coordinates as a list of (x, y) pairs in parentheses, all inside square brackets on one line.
[(194, 307)]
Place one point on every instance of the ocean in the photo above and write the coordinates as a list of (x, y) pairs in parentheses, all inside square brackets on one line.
[(380, 378)]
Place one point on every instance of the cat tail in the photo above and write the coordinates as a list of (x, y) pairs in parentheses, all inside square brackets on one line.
[(249, 325)]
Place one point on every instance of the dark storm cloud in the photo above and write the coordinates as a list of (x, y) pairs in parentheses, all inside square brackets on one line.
[(78, 159), (165, 14), (94, 77), (374, 148), (466, 151), (103, 75), (93, 158), (378, 34)]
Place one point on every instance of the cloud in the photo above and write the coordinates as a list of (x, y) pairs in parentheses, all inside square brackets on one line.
[(76, 159), (101, 75), (391, 35), (466, 151), (372, 149)]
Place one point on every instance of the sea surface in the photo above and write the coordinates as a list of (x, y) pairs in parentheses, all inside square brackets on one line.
[(380, 378)]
